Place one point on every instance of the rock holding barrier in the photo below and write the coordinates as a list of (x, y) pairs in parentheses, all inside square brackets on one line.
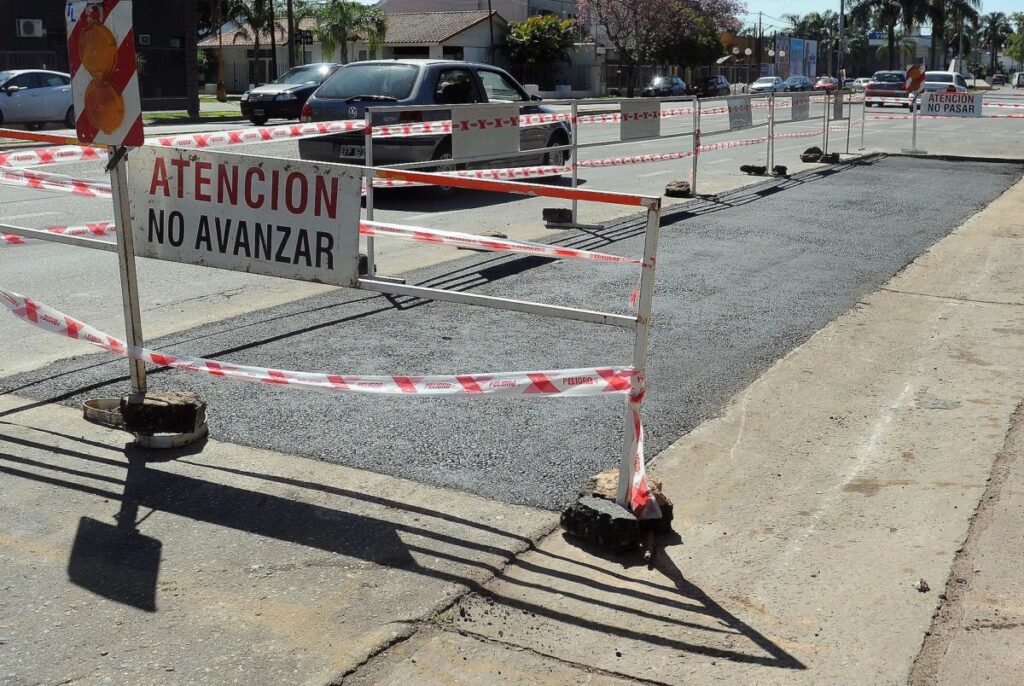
[(678, 189)]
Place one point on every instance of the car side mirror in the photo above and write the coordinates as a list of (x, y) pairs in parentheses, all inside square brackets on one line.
[(11, 90)]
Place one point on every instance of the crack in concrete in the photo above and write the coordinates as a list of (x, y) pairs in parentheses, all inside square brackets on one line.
[(953, 299)]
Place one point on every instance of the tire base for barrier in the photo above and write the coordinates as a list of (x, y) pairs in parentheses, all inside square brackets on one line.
[(164, 422)]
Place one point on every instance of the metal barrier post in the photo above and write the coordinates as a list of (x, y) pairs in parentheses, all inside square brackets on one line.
[(863, 119), (129, 278), (643, 323), (371, 263), (849, 121), (770, 152), (824, 126), (696, 145), (574, 123)]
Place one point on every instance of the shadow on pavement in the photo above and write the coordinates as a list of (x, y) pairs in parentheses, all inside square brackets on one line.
[(121, 563)]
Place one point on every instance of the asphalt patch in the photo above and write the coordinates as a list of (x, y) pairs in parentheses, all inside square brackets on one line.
[(742, 280)]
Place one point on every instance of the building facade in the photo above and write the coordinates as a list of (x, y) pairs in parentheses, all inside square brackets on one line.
[(33, 36)]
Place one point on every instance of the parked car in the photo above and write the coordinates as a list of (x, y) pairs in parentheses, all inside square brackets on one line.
[(887, 88), (825, 83), (860, 84), (664, 86), (767, 84), (34, 97), (797, 83), (998, 79), (1018, 80), (889, 76), (711, 86), (944, 81), (411, 82), (284, 97), (848, 84)]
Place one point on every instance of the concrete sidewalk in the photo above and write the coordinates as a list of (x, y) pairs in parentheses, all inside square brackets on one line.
[(849, 471)]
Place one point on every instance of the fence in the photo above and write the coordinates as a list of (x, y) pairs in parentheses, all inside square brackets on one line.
[(142, 231)]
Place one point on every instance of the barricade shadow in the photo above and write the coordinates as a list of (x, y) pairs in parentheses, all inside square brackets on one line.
[(120, 561)]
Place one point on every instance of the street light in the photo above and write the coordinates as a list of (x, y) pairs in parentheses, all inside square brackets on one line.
[(748, 52)]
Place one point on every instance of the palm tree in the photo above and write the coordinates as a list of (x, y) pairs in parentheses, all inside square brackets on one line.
[(905, 47), (882, 13), (254, 17), (940, 14), (996, 29), (341, 22)]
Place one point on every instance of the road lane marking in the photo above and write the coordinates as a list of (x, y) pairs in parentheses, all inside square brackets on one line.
[(657, 173), (30, 214)]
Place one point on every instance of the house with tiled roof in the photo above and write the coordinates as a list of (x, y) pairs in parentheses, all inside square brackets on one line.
[(460, 35)]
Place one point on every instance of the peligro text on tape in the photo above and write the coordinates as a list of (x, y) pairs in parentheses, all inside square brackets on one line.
[(594, 381)]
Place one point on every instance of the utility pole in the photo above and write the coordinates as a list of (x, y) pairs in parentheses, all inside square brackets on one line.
[(760, 43), (842, 40), (273, 42), (291, 35), (490, 26)]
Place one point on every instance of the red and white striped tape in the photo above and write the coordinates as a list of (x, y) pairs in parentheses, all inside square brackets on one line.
[(100, 229), (44, 181), (468, 240), (37, 156), (591, 381)]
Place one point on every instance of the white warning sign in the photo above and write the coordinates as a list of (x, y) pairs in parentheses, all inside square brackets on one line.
[(286, 218), (952, 104)]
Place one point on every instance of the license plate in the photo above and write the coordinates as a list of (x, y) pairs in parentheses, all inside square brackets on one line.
[(350, 151), (258, 112)]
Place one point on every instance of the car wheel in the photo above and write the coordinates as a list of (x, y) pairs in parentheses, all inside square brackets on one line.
[(259, 121), (443, 154), (556, 158), (69, 118)]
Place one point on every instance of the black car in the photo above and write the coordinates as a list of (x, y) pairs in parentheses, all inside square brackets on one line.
[(285, 97), (797, 83), (711, 86), (664, 86), (413, 83)]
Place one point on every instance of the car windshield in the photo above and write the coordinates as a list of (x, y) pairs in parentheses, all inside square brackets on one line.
[(387, 80), (766, 80), (5, 75), (710, 79), (303, 75), (938, 76), (887, 86), (794, 79), (659, 81), (889, 76)]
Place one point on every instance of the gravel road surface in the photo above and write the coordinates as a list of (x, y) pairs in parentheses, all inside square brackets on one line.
[(741, 281)]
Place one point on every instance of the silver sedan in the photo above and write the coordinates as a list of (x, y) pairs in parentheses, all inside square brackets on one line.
[(34, 97)]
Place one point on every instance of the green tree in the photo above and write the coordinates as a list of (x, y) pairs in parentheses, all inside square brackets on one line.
[(1015, 47), (255, 19), (538, 44), (885, 14), (942, 14), (700, 43), (996, 30), (341, 22)]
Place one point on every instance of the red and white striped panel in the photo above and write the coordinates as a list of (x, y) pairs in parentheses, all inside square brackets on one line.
[(38, 156), (116, 16)]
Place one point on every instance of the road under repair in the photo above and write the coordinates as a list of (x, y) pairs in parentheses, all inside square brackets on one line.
[(742, 279)]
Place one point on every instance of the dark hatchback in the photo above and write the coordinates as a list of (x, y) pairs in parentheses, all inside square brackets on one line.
[(285, 97), (711, 86), (411, 83), (665, 86), (797, 84)]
